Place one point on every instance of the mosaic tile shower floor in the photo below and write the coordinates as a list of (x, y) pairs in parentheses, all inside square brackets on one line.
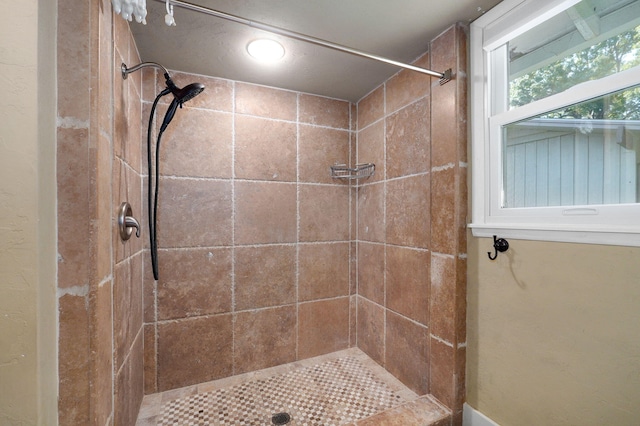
[(339, 389)]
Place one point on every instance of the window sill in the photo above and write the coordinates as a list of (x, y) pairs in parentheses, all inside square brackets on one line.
[(582, 235)]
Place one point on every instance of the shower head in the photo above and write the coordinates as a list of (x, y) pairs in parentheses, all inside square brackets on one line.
[(186, 93), (180, 96), (189, 91)]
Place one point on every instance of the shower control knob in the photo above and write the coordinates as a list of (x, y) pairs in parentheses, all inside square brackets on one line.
[(126, 222)]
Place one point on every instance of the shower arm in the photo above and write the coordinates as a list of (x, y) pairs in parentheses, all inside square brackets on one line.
[(126, 71), (443, 76)]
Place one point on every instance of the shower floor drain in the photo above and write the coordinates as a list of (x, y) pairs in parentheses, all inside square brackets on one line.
[(281, 419)]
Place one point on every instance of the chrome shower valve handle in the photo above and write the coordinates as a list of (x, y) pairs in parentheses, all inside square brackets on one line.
[(126, 222)]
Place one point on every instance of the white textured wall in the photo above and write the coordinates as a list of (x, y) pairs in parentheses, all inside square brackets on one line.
[(27, 376)]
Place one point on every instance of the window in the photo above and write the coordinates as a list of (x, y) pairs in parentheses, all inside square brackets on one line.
[(555, 107)]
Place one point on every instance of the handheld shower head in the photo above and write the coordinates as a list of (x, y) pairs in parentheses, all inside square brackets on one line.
[(186, 93), (180, 96)]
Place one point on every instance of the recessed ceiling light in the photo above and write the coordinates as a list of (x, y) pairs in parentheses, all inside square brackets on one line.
[(265, 50)]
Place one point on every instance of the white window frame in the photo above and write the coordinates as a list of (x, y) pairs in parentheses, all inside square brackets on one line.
[(595, 224)]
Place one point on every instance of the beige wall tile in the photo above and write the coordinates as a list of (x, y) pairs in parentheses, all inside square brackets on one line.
[(370, 329), (128, 390), (444, 211), (324, 111), (353, 317), (324, 213), (265, 212), (371, 270), (371, 213), (266, 102), (443, 297), (194, 213), (408, 141), (320, 148), (442, 377), (102, 353), (407, 282), (150, 370), (407, 352), (102, 222), (265, 149), (133, 137), (264, 276), (371, 150), (371, 108), (194, 282), (73, 361), (324, 327), (127, 307), (197, 143), (407, 86), (407, 208), (149, 290), (74, 59), (152, 82), (73, 207), (193, 351), (264, 338), (353, 267), (323, 271)]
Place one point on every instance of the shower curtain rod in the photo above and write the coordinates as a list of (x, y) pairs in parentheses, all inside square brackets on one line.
[(443, 76)]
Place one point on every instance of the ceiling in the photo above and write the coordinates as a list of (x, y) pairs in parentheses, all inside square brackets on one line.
[(207, 45)]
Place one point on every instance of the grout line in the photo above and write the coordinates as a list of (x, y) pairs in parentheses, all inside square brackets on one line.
[(357, 225), (356, 195), (441, 340), (400, 314), (429, 367), (443, 167), (297, 259), (244, 180), (249, 310), (258, 245), (233, 229), (351, 245), (68, 122), (443, 255), (384, 220)]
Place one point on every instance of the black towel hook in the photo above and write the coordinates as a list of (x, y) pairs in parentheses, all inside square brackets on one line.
[(500, 245)]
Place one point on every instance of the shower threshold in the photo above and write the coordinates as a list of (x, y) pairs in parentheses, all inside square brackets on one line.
[(342, 388)]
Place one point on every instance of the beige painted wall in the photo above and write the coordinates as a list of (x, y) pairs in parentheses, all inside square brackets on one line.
[(27, 249), (554, 333), (47, 306)]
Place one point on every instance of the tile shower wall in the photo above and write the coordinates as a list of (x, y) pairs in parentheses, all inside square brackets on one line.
[(411, 249), (258, 244), (264, 259), (98, 163), (254, 236)]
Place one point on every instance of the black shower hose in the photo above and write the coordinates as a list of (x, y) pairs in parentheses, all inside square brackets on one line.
[(153, 208)]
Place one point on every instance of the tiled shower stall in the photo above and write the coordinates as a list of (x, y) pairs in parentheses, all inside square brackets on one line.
[(263, 258)]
